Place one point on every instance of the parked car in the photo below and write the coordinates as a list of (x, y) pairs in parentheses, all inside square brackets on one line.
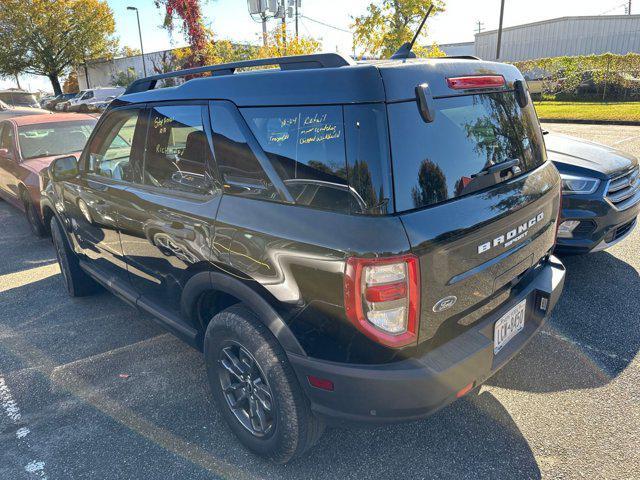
[(81, 102), (601, 194), (15, 97), (7, 111), (28, 144), (256, 217), (45, 99), (63, 97), (100, 105)]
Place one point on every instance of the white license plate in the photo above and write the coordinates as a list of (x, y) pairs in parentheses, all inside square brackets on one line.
[(508, 326)]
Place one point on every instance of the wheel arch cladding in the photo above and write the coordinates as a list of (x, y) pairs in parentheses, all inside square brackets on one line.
[(204, 282)]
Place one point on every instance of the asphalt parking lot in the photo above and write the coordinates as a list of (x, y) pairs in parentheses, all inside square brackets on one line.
[(92, 389)]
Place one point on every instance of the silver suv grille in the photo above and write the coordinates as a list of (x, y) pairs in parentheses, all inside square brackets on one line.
[(623, 191)]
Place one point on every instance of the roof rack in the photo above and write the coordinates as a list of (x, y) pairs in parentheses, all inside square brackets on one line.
[(463, 57), (294, 62)]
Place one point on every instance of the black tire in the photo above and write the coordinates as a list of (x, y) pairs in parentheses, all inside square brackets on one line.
[(293, 428), (78, 283), (33, 217)]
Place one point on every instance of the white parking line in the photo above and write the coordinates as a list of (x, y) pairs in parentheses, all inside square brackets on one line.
[(25, 277), (11, 409), (624, 140)]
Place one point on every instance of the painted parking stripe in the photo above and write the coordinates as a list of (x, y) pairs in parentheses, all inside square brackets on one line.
[(35, 467)]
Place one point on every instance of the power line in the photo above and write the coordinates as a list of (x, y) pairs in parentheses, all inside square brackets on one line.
[(326, 24), (613, 9)]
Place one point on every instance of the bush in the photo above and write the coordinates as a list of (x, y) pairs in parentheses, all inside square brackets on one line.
[(589, 77)]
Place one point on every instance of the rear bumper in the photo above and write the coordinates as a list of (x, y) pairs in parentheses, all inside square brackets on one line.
[(414, 388)]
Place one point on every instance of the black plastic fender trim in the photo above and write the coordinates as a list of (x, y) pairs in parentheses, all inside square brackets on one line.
[(204, 281)]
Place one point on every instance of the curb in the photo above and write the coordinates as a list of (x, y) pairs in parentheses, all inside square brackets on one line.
[(629, 123)]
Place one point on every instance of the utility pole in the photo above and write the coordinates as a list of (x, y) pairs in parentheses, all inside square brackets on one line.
[(629, 7), (284, 25), (480, 26), (500, 30), (297, 14), (263, 16)]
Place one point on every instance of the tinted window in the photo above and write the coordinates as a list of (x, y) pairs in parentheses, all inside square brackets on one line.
[(434, 162), (307, 149), (54, 138), (177, 155), (111, 153), (368, 163), (239, 169)]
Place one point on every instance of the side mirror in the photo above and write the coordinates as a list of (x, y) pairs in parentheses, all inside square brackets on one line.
[(63, 168), (4, 152)]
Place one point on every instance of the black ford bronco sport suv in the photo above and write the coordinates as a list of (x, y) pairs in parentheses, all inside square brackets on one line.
[(361, 241)]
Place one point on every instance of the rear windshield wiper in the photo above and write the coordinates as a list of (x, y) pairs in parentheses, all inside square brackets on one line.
[(499, 168)]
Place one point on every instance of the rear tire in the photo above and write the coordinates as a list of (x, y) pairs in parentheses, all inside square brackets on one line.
[(240, 353), (78, 283), (33, 217)]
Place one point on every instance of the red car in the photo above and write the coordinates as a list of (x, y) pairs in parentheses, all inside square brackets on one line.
[(27, 146)]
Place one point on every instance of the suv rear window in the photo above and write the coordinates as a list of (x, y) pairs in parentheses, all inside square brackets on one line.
[(308, 148), (435, 162)]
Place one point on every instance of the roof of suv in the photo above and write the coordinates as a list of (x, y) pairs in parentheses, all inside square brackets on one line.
[(316, 79)]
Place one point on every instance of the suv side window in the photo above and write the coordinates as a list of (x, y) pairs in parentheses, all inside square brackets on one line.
[(239, 169), (111, 153), (307, 148), (178, 155)]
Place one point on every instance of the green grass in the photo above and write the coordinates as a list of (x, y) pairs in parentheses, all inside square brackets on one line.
[(618, 111)]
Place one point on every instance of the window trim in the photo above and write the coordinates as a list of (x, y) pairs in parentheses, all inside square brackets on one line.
[(213, 169), (256, 149)]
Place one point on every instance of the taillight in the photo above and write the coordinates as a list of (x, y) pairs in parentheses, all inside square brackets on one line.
[(477, 81), (382, 298)]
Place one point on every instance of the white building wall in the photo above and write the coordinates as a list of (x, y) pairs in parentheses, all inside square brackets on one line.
[(101, 72), (569, 36), (458, 49)]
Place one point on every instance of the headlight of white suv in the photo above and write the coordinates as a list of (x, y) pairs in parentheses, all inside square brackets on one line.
[(579, 185)]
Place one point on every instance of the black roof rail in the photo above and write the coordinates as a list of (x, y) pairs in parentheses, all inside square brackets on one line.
[(463, 57), (294, 62)]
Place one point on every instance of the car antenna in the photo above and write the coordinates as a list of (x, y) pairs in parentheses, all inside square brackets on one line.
[(405, 50)]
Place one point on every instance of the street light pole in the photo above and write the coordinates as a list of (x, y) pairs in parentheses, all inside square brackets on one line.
[(500, 30), (144, 63)]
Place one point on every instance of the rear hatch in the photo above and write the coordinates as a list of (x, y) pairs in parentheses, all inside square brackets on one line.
[(475, 193)]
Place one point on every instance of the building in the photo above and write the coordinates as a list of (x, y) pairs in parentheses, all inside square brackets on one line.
[(566, 36), (459, 49), (101, 72)]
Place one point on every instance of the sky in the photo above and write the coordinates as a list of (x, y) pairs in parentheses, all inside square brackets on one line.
[(230, 19)]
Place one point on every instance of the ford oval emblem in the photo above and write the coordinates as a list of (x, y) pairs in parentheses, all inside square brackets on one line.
[(445, 304)]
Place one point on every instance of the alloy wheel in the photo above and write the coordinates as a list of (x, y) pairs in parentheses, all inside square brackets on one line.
[(246, 390)]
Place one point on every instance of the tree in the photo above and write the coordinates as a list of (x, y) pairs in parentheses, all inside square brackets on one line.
[(281, 43), (124, 78), (50, 36), (389, 24), (127, 51), (71, 83), (11, 62), (190, 12)]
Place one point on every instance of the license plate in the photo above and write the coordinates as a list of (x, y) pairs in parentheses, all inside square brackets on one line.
[(508, 326)]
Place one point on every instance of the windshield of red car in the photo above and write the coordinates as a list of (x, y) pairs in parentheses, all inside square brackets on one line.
[(51, 139)]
